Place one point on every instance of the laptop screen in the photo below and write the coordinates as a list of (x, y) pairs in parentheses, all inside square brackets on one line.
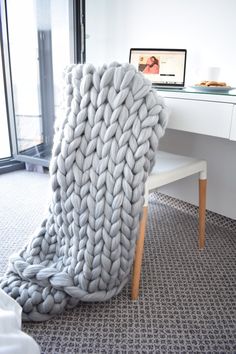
[(163, 67)]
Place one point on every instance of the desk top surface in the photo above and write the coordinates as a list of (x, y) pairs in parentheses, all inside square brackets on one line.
[(194, 94), (190, 89)]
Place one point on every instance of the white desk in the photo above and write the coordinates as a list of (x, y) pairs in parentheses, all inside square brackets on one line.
[(202, 113)]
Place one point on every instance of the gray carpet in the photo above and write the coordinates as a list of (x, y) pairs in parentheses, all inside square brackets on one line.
[(187, 300)]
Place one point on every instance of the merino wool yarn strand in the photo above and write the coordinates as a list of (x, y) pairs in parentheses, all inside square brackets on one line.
[(104, 149)]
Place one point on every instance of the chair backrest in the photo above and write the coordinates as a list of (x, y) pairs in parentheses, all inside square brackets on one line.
[(104, 152)]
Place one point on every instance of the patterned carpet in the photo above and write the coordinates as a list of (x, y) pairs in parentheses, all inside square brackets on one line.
[(187, 300)]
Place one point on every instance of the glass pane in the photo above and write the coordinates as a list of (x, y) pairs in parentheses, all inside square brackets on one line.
[(25, 73), (39, 51), (5, 150)]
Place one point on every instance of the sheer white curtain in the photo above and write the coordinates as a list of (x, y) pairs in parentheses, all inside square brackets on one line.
[(12, 339)]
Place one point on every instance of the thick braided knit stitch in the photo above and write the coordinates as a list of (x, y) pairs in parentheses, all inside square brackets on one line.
[(103, 150)]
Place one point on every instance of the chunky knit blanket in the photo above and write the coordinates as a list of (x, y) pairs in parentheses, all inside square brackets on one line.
[(103, 151)]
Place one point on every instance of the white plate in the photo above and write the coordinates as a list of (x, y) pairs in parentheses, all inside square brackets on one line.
[(212, 89)]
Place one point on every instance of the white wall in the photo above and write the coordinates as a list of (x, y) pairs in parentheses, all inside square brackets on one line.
[(206, 28)]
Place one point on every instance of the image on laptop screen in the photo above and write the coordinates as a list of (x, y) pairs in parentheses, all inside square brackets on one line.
[(163, 67)]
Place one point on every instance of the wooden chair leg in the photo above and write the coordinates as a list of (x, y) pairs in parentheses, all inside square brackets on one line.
[(139, 256), (202, 212)]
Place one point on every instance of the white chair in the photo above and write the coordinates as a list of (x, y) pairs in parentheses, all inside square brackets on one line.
[(169, 168)]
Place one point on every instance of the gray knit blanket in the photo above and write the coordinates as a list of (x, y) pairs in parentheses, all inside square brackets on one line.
[(104, 149)]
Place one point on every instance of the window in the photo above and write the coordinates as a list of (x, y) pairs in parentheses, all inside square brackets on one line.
[(5, 150)]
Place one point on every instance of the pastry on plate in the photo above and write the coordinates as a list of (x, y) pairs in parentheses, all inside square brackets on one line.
[(206, 83)]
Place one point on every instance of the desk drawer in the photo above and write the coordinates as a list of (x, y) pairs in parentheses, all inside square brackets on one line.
[(201, 117)]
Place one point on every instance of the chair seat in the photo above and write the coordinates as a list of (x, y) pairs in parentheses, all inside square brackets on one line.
[(171, 167), (166, 162)]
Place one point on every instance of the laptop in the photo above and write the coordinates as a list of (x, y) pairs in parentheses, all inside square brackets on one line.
[(165, 68)]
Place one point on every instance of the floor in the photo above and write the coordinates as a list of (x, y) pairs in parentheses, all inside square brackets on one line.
[(187, 300)]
